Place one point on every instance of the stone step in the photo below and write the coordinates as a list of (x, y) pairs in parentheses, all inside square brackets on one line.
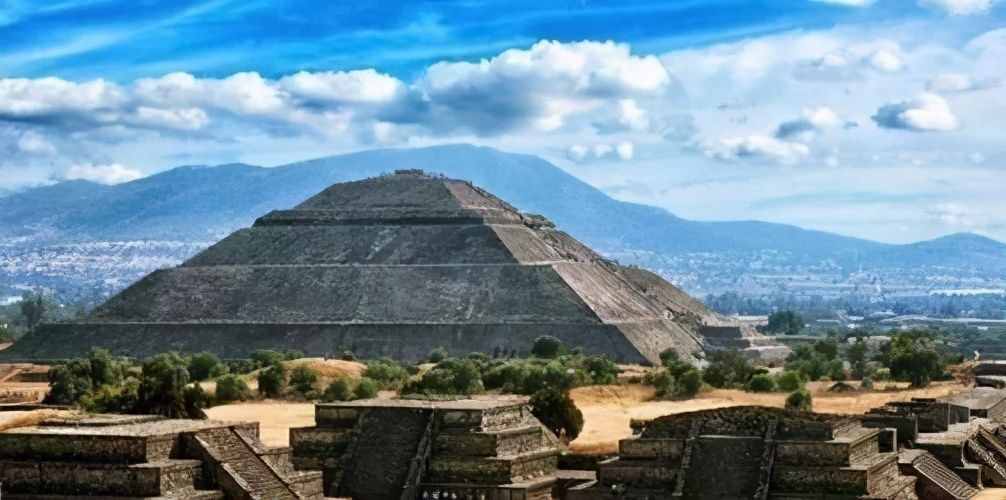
[(930, 470), (494, 470), (154, 479), (505, 442), (244, 470), (855, 479), (638, 472)]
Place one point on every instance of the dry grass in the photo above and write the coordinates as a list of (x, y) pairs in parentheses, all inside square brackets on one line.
[(607, 410), (15, 419), (275, 418)]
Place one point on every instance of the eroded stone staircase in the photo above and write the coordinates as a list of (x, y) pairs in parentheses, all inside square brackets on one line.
[(238, 469), (935, 477)]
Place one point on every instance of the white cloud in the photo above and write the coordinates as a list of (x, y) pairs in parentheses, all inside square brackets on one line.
[(27, 99), (885, 60), (179, 119), (33, 143), (927, 112), (959, 7), (624, 151), (959, 82), (111, 173), (361, 86), (813, 120), (759, 147)]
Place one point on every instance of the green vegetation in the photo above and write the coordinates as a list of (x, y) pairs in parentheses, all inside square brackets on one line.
[(366, 388), (556, 411), (33, 309), (913, 356), (728, 370), (232, 388), (205, 365), (547, 347), (387, 373), (789, 381), (762, 382), (302, 380), (799, 400), (784, 323), (437, 355), (272, 381), (339, 390)]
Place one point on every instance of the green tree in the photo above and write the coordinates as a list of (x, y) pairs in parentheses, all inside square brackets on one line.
[(913, 357), (302, 379), (33, 309), (557, 411), (547, 347), (163, 384), (366, 389), (790, 381), (105, 368), (437, 355), (264, 357), (232, 388), (272, 381), (728, 369), (784, 323), (761, 383), (688, 383), (388, 373), (799, 400), (338, 390), (857, 358), (452, 376), (205, 365), (69, 382)]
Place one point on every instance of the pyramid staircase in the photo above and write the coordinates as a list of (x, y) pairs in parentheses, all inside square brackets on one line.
[(139, 457), (935, 479)]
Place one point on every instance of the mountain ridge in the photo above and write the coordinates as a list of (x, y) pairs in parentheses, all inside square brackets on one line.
[(202, 203)]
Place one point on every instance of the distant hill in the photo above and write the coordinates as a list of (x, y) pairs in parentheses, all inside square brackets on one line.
[(195, 203)]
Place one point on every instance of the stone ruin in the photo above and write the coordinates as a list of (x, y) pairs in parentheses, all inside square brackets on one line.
[(751, 452), (123, 457), (465, 449), (396, 266)]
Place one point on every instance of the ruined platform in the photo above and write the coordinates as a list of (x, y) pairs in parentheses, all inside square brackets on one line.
[(751, 452), (490, 448), (124, 457)]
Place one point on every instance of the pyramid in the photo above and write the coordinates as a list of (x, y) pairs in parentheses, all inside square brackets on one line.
[(392, 266)]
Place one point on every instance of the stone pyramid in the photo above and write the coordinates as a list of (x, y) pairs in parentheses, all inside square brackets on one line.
[(390, 266)]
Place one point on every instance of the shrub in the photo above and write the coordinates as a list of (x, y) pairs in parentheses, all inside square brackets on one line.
[(196, 400), (836, 370), (785, 323), (867, 383), (688, 384), (272, 381), (663, 382), (263, 358), (728, 369), (232, 388), (790, 381), (366, 388), (672, 362), (69, 382), (882, 374), (547, 347), (600, 369), (800, 401), (338, 390), (302, 379), (437, 355), (452, 376), (122, 398), (205, 365), (761, 383), (557, 411), (348, 356), (105, 369), (162, 386), (389, 374)]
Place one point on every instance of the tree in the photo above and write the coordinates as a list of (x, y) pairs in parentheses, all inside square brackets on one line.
[(388, 373), (69, 382), (162, 386), (105, 368), (272, 381), (264, 358), (790, 381), (366, 389), (785, 323), (761, 383), (205, 365), (302, 379), (728, 369), (232, 388), (33, 309), (799, 400), (452, 376), (547, 347), (437, 355), (557, 411), (857, 358), (689, 383), (913, 357), (338, 390)]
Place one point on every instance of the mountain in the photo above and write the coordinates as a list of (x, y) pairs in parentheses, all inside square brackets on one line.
[(202, 204)]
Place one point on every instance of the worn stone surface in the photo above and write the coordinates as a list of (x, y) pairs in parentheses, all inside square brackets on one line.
[(393, 266)]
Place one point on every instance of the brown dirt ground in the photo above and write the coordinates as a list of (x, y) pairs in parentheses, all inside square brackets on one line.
[(607, 410), (991, 494), (275, 418)]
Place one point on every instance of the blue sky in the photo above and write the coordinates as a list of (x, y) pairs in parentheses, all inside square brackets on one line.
[(880, 119)]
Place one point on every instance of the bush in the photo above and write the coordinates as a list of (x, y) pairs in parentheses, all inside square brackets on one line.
[(196, 400), (785, 323), (122, 398), (600, 369), (836, 370), (867, 383), (437, 355), (272, 381), (387, 373), (688, 384), (728, 369), (366, 389), (302, 379), (452, 376), (263, 358), (105, 368), (348, 356), (790, 381), (547, 347), (556, 411), (232, 388), (800, 401), (761, 383), (338, 390), (205, 365), (882, 374), (162, 386), (69, 382)]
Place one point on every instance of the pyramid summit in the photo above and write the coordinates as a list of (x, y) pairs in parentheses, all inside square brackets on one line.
[(392, 266)]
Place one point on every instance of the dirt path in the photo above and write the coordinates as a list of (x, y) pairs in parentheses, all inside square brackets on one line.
[(607, 410), (275, 418)]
